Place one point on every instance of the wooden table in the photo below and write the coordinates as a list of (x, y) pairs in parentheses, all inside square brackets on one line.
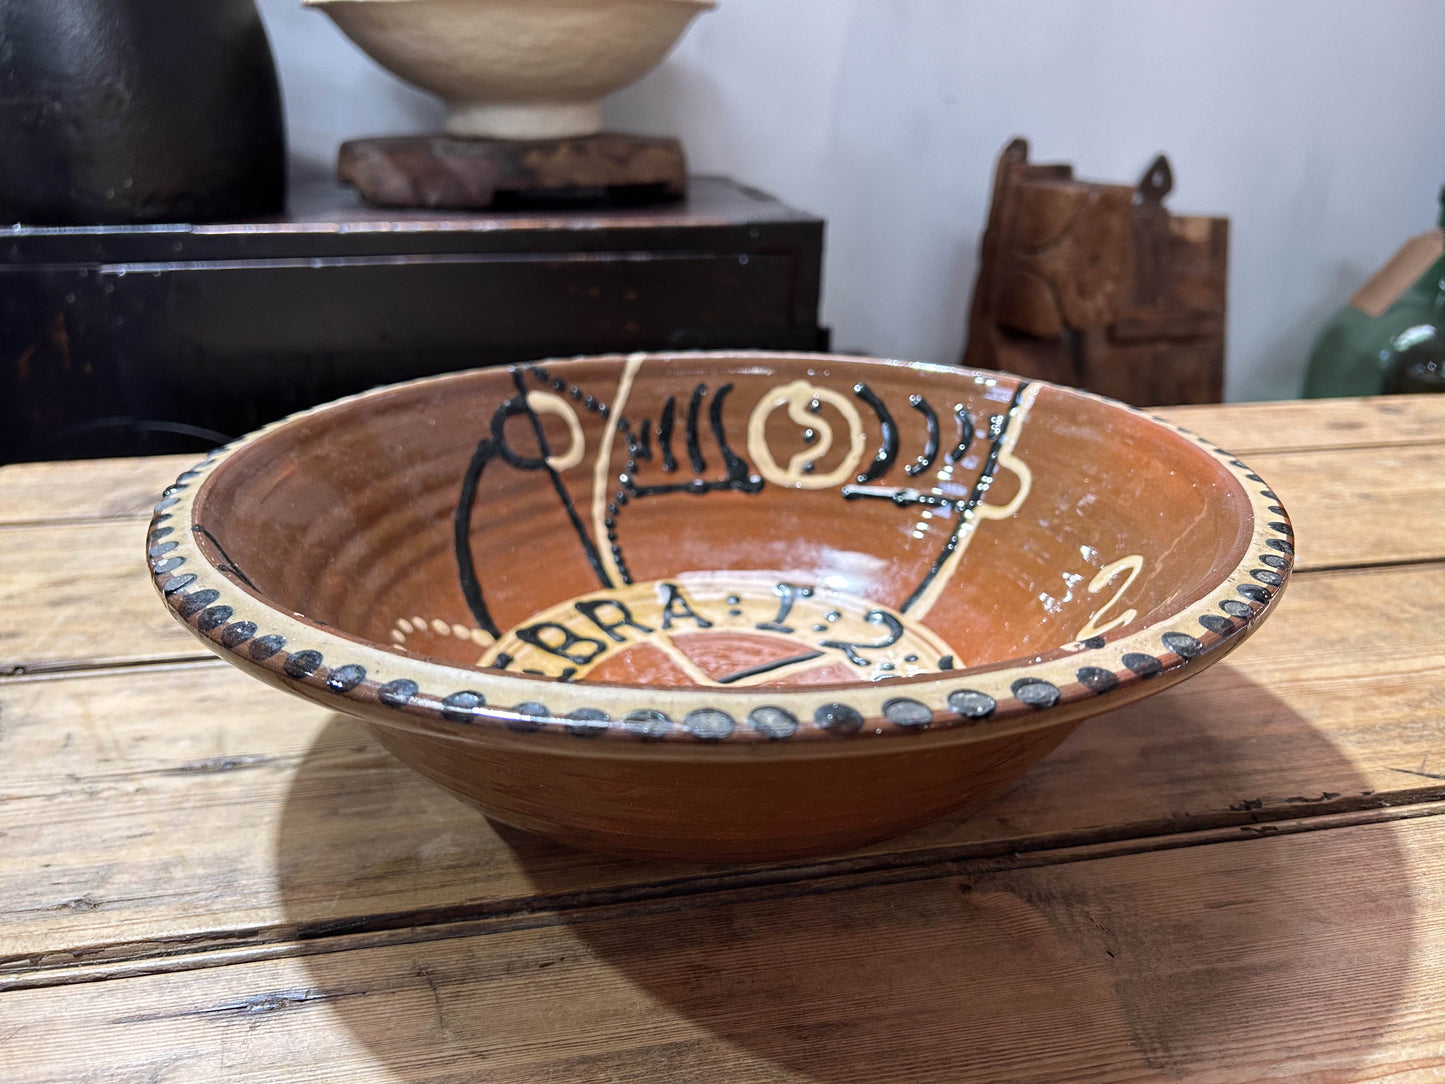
[(1239, 878)]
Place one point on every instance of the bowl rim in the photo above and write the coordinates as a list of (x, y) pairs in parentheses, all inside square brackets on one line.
[(374, 681)]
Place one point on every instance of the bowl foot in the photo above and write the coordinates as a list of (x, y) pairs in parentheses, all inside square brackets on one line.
[(523, 120)]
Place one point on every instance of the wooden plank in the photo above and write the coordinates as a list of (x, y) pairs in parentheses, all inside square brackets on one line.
[(172, 809), (1311, 956), (1361, 506), (78, 595), (1349, 509), (90, 489), (1251, 428)]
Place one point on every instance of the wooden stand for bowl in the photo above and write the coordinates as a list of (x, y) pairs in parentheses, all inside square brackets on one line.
[(443, 171)]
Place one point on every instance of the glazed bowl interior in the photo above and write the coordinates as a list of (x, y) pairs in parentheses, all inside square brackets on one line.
[(726, 520)]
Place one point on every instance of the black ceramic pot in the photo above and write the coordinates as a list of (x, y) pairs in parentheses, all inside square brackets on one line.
[(137, 111)]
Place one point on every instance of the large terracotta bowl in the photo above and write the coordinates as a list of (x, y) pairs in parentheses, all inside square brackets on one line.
[(720, 606), (517, 69)]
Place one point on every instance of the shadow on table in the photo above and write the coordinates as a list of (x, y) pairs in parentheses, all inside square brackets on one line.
[(1159, 961)]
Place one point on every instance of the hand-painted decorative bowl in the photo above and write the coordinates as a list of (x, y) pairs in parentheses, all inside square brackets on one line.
[(722, 606)]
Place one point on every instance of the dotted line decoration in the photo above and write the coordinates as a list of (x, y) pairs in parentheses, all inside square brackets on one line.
[(209, 597)]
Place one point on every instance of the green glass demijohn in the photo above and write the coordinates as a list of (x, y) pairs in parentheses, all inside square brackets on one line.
[(1386, 345)]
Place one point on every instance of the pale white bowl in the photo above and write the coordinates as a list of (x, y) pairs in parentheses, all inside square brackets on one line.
[(516, 69)]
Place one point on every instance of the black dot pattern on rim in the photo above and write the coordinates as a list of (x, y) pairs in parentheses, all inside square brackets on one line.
[(1272, 495), (972, 704), (461, 707), (301, 664), (196, 601), (709, 724), (237, 634), (398, 693), (838, 718), (775, 723), (1220, 626), (1096, 679), (712, 724), (345, 678), (530, 715), (905, 711), (213, 617), (266, 646), (1146, 666), (176, 583), (588, 722), (1036, 693), (647, 724), (1182, 644)]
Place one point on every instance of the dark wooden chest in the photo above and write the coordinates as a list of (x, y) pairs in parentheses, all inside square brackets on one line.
[(123, 340)]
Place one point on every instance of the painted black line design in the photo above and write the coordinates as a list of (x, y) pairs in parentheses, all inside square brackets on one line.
[(694, 453), (230, 565), (998, 430), (768, 667), (930, 448), (490, 447), (462, 535), (788, 594), (664, 435), (737, 470), (641, 446), (737, 475), (593, 557), (889, 452), (893, 632), (966, 431)]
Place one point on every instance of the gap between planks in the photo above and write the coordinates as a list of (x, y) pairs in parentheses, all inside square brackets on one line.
[(223, 948)]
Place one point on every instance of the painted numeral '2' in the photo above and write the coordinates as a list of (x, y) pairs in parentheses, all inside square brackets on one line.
[(1106, 575)]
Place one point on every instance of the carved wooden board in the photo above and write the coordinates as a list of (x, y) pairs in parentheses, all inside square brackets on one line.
[(1098, 286)]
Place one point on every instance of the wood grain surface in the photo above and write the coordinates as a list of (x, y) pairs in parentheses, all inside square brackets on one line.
[(1232, 961), (1236, 879), (1290, 725)]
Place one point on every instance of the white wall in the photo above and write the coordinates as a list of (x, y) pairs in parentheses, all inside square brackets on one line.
[(1317, 126)]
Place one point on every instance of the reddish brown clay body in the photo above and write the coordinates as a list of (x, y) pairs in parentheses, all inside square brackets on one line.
[(721, 606)]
